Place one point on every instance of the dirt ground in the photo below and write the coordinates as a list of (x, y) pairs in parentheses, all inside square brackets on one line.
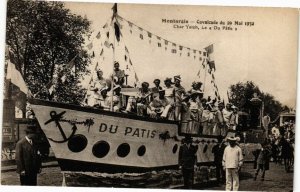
[(276, 179)]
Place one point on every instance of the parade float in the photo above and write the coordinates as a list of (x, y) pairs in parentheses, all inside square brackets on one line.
[(94, 143)]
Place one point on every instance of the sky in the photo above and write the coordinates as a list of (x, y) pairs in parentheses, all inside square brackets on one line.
[(265, 53)]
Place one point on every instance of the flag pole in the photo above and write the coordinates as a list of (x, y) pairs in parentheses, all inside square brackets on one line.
[(204, 77)]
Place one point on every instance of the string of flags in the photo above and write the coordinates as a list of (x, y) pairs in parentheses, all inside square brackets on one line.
[(161, 42)]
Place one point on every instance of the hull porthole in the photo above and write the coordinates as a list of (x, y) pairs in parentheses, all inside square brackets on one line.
[(123, 150), (141, 151), (77, 143), (100, 149)]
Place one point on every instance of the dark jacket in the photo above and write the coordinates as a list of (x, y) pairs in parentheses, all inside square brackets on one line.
[(27, 158), (262, 157), (187, 156), (218, 151)]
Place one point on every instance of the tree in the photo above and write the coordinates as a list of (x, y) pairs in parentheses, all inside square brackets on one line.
[(240, 95), (43, 36)]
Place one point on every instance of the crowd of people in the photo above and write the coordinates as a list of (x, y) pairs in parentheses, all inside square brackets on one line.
[(170, 101)]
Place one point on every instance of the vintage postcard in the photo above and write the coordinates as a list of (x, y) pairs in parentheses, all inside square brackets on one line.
[(149, 96)]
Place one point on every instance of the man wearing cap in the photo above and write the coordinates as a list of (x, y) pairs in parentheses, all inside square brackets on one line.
[(196, 110), (232, 162), (118, 75), (143, 99), (115, 97), (159, 107), (96, 85), (219, 128), (187, 161), (104, 100), (28, 158), (196, 87), (233, 119), (227, 111), (179, 91), (169, 90), (156, 87)]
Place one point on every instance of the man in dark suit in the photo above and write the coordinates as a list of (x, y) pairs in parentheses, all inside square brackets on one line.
[(187, 161), (28, 158)]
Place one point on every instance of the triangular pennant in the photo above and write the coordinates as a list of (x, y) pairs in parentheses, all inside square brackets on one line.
[(159, 38), (101, 53), (130, 62), (125, 58), (90, 46), (180, 48), (126, 50), (149, 34), (117, 31), (98, 35), (141, 36), (107, 34), (107, 44)]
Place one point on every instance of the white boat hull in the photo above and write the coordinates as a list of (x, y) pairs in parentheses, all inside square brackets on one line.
[(87, 139)]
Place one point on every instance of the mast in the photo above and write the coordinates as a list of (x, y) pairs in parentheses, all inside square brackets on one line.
[(115, 12)]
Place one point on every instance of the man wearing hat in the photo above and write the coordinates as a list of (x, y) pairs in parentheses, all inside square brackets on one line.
[(160, 106), (218, 151), (28, 158), (156, 87), (232, 162), (187, 161), (179, 91)]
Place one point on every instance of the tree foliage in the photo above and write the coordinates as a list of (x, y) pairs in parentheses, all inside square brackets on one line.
[(43, 36), (240, 95)]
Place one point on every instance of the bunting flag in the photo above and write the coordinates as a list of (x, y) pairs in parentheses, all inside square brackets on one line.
[(98, 36), (101, 53), (105, 26), (106, 44), (15, 76), (210, 57), (198, 74), (90, 45), (136, 77), (69, 67), (126, 49), (117, 31)]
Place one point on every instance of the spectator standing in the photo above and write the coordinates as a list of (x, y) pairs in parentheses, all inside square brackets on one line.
[(28, 158), (232, 162), (187, 161), (218, 151)]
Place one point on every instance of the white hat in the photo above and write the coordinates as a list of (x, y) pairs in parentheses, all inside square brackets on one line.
[(232, 138)]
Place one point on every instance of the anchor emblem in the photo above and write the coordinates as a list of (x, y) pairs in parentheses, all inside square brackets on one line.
[(56, 118)]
